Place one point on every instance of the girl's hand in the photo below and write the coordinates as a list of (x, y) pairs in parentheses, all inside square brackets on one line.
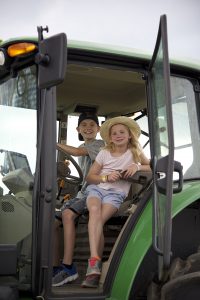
[(114, 176), (130, 171)]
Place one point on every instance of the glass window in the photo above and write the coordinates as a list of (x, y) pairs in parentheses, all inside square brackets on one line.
[(186, 129), (18, 119)]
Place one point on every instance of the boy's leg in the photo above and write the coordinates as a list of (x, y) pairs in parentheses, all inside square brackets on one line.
[(56, 243), (67, 271), (68, 218), (71, 210)]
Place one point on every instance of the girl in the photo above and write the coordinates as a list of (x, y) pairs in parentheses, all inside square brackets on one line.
[(121, 158)]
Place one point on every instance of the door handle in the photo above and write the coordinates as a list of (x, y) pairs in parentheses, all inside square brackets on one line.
[(179, 169)]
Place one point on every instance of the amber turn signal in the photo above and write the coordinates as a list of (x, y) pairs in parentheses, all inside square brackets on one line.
[(20, 48)]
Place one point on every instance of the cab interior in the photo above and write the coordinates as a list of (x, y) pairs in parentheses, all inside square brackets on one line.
[(108, 86), (112, 91), (108, 91)]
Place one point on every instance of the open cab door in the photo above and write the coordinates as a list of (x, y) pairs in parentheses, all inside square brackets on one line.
[(162, 148), (51, 60)]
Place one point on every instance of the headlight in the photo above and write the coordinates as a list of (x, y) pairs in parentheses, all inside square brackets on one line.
[(2, 57)]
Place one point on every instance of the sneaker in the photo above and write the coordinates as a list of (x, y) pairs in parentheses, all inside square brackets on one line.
[(64, 275), (94, 266), (91, 281), (93, 273), (56, 270)]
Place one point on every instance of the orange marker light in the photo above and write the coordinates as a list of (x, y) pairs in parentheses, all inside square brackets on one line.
[(20, 48)]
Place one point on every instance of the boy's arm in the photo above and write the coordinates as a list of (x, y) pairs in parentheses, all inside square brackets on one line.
[(82, 151)]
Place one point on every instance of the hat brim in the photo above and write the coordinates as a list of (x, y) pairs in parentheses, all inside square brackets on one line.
[(130, 123)]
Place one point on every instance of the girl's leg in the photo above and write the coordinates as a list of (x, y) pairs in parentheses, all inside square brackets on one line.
[(98, 216), (94, 225), (107, 211)]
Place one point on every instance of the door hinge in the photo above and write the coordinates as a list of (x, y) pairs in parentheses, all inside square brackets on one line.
[(197, 88)]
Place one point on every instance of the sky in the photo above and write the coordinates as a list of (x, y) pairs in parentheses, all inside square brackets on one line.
[(126, 23)]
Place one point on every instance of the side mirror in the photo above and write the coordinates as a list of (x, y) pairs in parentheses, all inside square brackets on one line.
[(52, 60)]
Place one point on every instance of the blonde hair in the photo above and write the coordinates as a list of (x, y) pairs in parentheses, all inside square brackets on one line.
[(133, 144)]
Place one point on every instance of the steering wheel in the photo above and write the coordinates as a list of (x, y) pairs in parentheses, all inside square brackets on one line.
[(64, 172)]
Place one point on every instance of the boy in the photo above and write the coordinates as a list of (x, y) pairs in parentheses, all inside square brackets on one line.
[(88, 127)]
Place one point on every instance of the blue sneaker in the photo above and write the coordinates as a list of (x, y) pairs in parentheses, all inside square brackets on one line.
[(56, 270), (64, 275)]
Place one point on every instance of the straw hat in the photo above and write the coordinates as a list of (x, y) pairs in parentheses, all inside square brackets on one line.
[(130, 123)]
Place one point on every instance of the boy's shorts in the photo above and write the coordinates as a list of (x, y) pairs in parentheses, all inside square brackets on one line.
[(110, 196), (77, 205)]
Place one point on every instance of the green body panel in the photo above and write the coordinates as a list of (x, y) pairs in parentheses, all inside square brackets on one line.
[(130, 52), (141, 240), (115, 50)]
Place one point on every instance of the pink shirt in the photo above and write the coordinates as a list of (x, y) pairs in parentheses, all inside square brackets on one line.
[(110, 163)]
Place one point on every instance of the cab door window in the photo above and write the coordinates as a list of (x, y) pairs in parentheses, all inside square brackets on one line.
[(186, 127)]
